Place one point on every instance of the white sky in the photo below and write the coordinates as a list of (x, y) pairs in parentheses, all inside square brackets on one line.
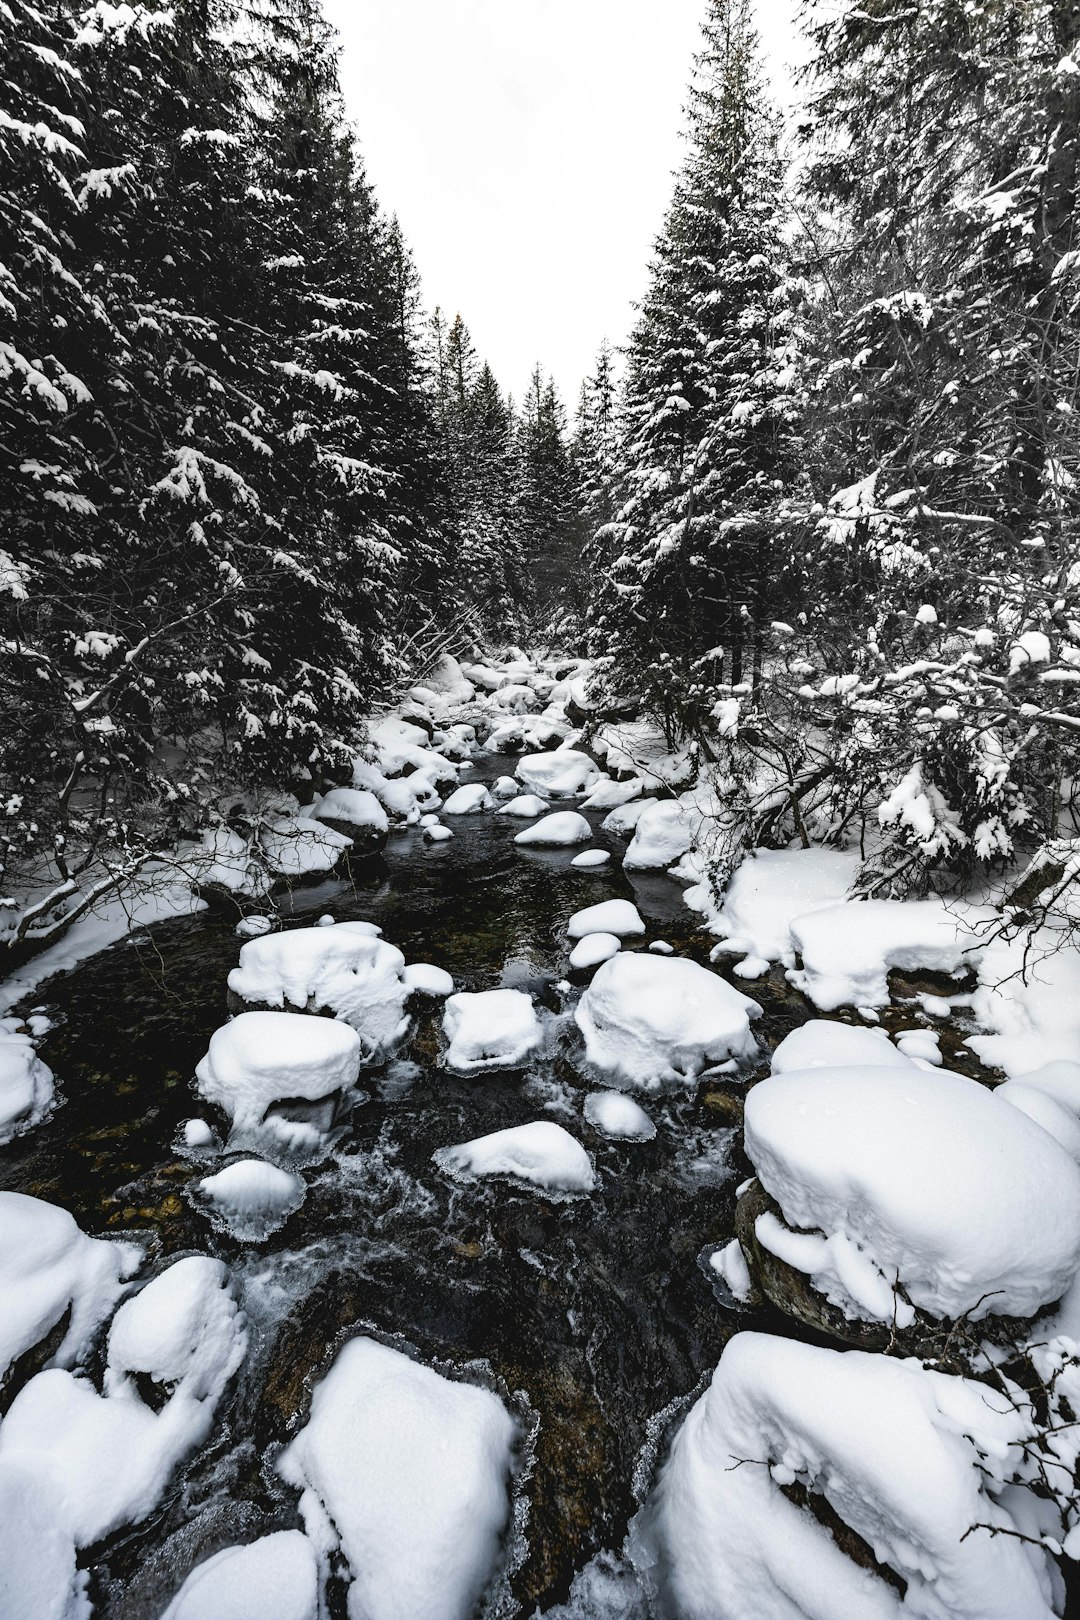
[(527, 147)]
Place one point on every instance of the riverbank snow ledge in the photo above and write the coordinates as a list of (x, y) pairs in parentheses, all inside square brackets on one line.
[(341, 968), (409, 1474), (26, 1084), (910, 1459), (490, 1029), (261, 1058), (541, 1154), (916, 1177), (848, 950), (766, 893), (277, 1576), (656, 1021)]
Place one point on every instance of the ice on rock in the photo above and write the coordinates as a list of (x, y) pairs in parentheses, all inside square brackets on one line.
[(490, 1029), (38, 1577), (619, 917), (663, 834), (274, 1578), (824, 1044), (409, 1474), (262, 1058), (424, 979), (907, 1176), (106, 1459), (904, 1456), (469, 800), (653, 1022), (729, 1266), (26, 1084), (540, 1154), (560, 830), (624, 818), (591, 858), (250, 1198), (48, 1269), (298, 846), (340, 969), (560, 775), (525, 806), (848, 950), (593, 949), (617, 1115), (1045, 1110), (768, 890)]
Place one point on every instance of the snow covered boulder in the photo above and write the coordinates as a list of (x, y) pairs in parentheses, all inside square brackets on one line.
[(425, 979), (904, 1189), (261, 1059), (654, 1022), (560, 775), (540, 1154), (504, 789), (907, 1459), (620, 917), (614, 1114), (277, 1576), (26, 1084), (226, 866), (447, 680), (341, 969), (848, 950), (524, 805), (357, 814), (250, 1199), (593, 949), (516, 698), (297, 847), (558, 831), (490, 1029), (469, 800), (662, 836), (623, 820), (408, 1473), (769, 889), (52, 1273), (608, 794)]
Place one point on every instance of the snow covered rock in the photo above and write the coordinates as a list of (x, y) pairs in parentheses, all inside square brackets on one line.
[(540, 1154), (252, 927), (26, 1084), (524, 805), (907, 1458), (438, 834), (652, 1022), (623, 820), (620, 917), (226, 864), (424, 979), (848, 950), (448, 681), (768, 890), (663, 834), (516, 698), (608, 794), (469, 800), (276, 1576), (263, 1058), (560, 775), (251, 1199), (903, 1178), (409, 1474), (593, 949), (615, 1114), (824, 1044), (341, 969), (560, 830), (50, 1269), (490, 1029), (300, 847), (590, 859), (505, 788), (358, 814)]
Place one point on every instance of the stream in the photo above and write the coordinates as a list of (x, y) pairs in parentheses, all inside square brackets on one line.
[(592, 1316)]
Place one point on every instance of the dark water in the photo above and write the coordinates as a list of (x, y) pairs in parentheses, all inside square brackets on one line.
[(593, 1314)]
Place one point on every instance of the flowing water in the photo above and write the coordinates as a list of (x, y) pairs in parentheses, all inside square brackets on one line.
[(593, 1315)]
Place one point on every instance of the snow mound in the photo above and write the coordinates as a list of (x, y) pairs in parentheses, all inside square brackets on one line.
[(916, 1178), (656, 1021), (505, 788), (619, 917), (619, 1116), (38, 1578), (26, 1085), (447, 680), (594, 949), (540, 1153), (560, 775), (770, 889), (848, 950), (525, 805), (563, 828), (1028, 997), (663, 834), (251, 1199), (490, 1029), (262, 1058), (1059, 1079), (908, 1458), (468, 800), (824, 1044), (409, 1474), (298, 846), (1045, 1110), (590, 858), (49, 1267), (424, 979), (276, 1576), (339, 969)]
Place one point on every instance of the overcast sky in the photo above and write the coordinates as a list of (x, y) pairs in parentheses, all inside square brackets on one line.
[(527, 148)]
